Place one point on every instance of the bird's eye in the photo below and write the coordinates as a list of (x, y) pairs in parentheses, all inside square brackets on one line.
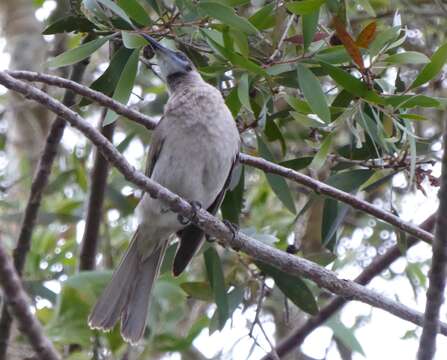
[(182, 56)]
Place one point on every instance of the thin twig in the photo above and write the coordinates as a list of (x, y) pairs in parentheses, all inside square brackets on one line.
[(257, 162), (281, 40), (322, 188), (18, 303), (38, 185), (379, 264), (438, 270), (239, 241)]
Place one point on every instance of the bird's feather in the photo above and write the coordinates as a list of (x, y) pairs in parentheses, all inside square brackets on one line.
[(191, 237)]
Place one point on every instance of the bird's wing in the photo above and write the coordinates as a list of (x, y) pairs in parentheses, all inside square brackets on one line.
[(191, 237), (154, 150)]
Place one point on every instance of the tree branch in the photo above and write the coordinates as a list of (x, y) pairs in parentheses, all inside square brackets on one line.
[(98, 179), (213, 226), (85, 91), (257, 162), (438, 271), (380, 263), (38, 185), (18, 303), (322, 188)]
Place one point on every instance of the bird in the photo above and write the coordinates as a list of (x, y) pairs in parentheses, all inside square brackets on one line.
[(193, 152)]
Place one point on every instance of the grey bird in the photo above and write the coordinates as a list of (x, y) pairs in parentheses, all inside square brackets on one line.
[(193, 151)]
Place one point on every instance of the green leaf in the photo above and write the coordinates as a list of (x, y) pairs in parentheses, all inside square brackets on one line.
[(106, 83), (309, 23), (198, 289), (79, 53), (321, 156), (132, 40), (311, 88), (235, 297), (383, 38), (433, 68), (408, 57), (135, 11), (241, 42), (154, 5), (352, 84), (232, 101), (345, 335), (298, 163), (307, 121), (243, 91), (298, 104), (292, 286), (234, 199), (226, 15), (124, 85), (365, 4), (116, 9), (413, 117), (305, 7), (217, 281), (167, 342), (235, 58), (335, 212), (277, 183), (410, 101), (68, 24), (263, 18)]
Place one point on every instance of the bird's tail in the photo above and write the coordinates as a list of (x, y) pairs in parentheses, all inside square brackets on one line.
[(128, 293)]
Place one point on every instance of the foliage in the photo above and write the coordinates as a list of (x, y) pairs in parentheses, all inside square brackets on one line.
[(325, 87)]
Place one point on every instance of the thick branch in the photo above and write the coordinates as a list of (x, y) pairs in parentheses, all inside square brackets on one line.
[(257, 162), (438, 271), (98, 183), (18, 303), (38, 185), (85, 91), (380, 263), (210, 224)]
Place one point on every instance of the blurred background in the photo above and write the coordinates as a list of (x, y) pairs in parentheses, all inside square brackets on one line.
[(394, 164)]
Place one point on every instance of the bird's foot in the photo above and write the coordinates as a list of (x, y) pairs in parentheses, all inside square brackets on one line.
[(196, 206), (183, 220), (234, 228)]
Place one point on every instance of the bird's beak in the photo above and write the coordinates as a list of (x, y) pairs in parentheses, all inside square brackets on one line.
[(154, 43), (168, 59)]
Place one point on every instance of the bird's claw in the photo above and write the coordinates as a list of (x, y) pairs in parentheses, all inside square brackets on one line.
[(196, 206), (182, 220), (234, 228)]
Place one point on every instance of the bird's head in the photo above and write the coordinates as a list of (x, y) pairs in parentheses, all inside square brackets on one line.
[(172, 63)]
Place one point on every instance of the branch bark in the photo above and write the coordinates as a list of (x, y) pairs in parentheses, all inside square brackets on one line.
[(98, 180), (438, 271), (380, 263), (213, 226), (253, 161), (38, 185), (18, 303)]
